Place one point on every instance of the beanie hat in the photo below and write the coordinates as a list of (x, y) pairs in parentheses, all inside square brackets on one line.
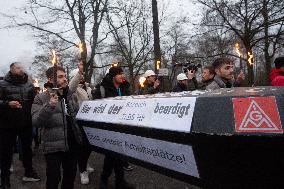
[(279, 62), (113, 71)]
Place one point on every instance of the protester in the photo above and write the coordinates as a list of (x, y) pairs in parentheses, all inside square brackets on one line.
[(83, 92), (16, 97), (54, 111), (192, 81), (277, 74), (208, 75), (36, 131), (151, 84), (182, 83), (224, 70), (111, 86), (126, 165)]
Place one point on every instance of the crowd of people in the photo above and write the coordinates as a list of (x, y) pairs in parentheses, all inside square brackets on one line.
[(64, 143)]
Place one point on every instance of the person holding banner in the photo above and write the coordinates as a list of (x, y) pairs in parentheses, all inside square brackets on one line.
[(113, 85), (54, 111)]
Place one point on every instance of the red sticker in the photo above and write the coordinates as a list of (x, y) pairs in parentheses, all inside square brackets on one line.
[(257, 114)]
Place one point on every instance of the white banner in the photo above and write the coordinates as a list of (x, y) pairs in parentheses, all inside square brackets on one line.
[(169, 155), (161, 113)]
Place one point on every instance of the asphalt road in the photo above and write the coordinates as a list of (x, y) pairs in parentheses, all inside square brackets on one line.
[(141, 177)]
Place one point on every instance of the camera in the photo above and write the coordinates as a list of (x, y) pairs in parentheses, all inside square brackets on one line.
[(191, 66)]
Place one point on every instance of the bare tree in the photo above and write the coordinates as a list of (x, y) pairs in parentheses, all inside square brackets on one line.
[(244, 19), (129, 25), (67, 58), (76, 22)]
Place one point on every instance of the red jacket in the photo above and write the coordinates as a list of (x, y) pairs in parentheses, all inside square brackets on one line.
[(277, 77)]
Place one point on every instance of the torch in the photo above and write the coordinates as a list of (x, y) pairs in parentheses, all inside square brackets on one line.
[(54, 63)]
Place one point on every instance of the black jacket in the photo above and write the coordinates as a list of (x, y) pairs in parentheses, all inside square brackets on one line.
[(109, 89), (15, 88), (147, 89), (179, 88)]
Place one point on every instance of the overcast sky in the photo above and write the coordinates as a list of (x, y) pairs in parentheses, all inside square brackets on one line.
[(18, 45)]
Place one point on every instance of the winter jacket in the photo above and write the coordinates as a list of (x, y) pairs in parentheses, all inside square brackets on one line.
[(109, 89), (16, 88), (204, 84), (147, 89), (83, 92), (277, 77), (219, 83), (53, 121), (179, 88), (192, 84)]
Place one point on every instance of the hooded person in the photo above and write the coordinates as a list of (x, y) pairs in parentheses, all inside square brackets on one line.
[(113, 85), (277, 74)]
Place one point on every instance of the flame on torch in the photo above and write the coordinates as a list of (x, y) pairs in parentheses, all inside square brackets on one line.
[(36, 84), (237, 47), (250, 58), (54, 58), (81, 47), (141, 81), (158, 64), (54, 63), (114, 65)]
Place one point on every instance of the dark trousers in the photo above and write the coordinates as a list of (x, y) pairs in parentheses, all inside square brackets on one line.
[(54, 162), (112, 163), (84, 155), (7, 144)]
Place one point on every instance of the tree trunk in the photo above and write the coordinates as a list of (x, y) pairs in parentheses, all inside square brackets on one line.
[(266, 43), (131, 79), (157, 49)]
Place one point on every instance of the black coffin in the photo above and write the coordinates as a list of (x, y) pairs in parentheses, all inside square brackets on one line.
[(230, 138)]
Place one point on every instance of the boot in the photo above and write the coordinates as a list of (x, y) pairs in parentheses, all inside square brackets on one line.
[(103, 184), (123, 185), (5, 184)]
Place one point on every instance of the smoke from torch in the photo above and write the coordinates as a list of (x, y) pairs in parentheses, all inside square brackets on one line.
[(141, 81)]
